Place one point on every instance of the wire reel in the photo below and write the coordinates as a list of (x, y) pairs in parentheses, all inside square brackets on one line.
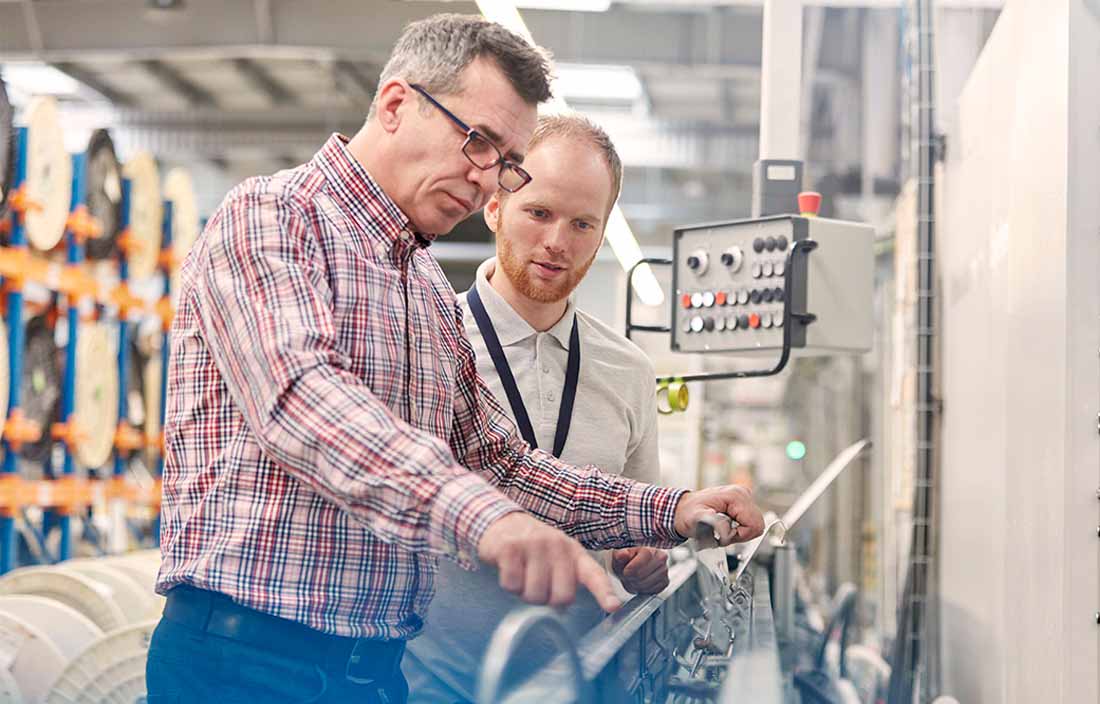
[(40, 385), (96, 399), (103, 176), (49, 175), (146, 213)]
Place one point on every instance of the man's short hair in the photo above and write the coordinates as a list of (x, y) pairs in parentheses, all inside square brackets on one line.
[(577, 127), (433, 53)]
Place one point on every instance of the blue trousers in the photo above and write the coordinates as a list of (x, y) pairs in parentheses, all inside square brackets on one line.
[(187, 665)]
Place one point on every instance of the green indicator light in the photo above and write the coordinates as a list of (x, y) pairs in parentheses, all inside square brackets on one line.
[(796, 450)]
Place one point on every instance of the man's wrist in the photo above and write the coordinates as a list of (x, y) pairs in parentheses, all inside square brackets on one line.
[(462, 511)]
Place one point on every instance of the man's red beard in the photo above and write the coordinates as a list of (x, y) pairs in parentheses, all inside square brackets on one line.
[(517, 272)]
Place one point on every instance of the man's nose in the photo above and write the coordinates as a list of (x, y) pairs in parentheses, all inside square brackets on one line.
[(556, 237), (486, 182)]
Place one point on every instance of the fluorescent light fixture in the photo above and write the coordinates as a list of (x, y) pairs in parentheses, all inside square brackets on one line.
[(627, 251), (33, 78), (566, 5), (619, 234), (597, 82)]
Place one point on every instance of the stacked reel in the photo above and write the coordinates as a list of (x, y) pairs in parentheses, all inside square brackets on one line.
[(89, 249)]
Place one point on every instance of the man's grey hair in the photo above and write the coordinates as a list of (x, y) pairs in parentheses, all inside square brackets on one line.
[(433, 53)]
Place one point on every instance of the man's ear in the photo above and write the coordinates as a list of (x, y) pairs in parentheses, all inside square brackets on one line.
[(392, 95), (492, 212)]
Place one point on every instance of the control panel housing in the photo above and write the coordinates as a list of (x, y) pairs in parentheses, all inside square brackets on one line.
[(731, 286)]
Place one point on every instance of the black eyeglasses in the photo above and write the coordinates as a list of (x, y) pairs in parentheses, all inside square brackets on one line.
[(481, 152)]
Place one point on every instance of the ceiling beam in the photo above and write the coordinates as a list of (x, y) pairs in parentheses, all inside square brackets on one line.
[(178, 83), (117, 97), (351, 81), (263, 81)]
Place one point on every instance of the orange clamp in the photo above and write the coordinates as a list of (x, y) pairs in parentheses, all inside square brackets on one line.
[(21, 202), (167, 259), (14, 263), (14, 494), (69, 494), (166, 313), (121, 488), (155, 441), (18, 430), (129, 244), (82, 224), (127, 438), (76, 283), (69, 433), (125, 300)]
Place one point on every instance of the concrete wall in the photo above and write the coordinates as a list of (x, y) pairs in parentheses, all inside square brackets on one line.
[(1019, 258)]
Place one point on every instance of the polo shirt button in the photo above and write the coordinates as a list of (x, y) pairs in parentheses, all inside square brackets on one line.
[(549, 395), (546, 370)]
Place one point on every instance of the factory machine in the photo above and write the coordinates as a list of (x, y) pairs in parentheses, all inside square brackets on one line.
[(733, 625)]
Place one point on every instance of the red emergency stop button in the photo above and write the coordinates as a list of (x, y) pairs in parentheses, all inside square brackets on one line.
[(809, 203), (754, 321), (685, 300)]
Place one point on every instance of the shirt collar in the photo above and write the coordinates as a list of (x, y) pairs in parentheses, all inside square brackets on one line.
[(510, 325), (358, 194)]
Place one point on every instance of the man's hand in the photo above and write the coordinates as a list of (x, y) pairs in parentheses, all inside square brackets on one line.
[(642, 570), (734, 501), (542, 564)]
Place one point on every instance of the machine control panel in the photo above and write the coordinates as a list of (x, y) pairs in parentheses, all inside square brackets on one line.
[(733, 280)]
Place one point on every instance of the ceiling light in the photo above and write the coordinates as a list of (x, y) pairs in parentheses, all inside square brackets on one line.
[(34, 78), (592, 82), (566, 5)]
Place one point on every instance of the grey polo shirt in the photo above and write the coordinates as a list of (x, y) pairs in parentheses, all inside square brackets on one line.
[(614, 427)]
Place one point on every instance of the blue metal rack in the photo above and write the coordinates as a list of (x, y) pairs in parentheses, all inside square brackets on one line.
[(15, 352)]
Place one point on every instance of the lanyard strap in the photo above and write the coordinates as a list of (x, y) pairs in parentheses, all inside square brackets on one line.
[(515, 400)]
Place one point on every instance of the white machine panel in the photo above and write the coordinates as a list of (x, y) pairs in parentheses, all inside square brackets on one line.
[(731, 285)]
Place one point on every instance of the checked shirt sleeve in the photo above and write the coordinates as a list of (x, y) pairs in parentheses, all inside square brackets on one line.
[(263, 304), (601, 510)]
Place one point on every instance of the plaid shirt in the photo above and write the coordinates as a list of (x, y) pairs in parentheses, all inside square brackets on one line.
[(327, 433)]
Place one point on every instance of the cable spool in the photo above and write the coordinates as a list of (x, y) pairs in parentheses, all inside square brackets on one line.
[(148, 343), (103, 176), (29, 658), (133, 597), (179, 189), (49, 175), (144, 346), (70, 630), (88, 596), (7, 147), (40, 385), (96, 400), (110, 670), (146, 212)]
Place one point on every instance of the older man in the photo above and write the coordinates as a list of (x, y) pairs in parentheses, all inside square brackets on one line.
[(573, 385), (327, 434)]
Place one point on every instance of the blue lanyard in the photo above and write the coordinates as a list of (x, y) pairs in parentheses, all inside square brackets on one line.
[(515, 400)]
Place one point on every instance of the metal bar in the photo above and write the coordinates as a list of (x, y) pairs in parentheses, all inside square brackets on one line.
[(123, 332), (780, 84), (15, 350), (166, 247), (74, 255)]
